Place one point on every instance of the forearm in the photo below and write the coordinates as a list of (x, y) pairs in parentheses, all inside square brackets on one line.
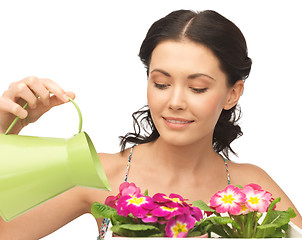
[(46, 218)]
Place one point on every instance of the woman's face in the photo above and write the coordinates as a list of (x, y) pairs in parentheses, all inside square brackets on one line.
[(186, 92)]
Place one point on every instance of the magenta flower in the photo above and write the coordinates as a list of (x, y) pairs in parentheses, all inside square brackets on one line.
[(174, 200), (167, 212), (149, 218), (111, 201), (179, 226), (256, 198), (228, 200), (138, 205), (196, 213), (125, 189)]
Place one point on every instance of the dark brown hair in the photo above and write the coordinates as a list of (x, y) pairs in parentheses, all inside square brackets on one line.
[(227, 43)]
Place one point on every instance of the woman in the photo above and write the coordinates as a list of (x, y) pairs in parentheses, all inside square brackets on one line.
[(196, 66)]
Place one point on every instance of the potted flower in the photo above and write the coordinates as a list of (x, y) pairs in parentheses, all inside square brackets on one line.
[(244, 212)]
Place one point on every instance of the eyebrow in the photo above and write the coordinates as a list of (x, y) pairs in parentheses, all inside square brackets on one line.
[(191, 76)]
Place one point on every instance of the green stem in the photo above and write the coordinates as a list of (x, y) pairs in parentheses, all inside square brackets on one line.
[(255, 220), (249, 225), (231, 231), (240, 219)]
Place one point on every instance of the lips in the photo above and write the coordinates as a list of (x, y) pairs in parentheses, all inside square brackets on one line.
[(177, 120), (177, 123)]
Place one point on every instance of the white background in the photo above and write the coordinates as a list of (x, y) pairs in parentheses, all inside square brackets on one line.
[(90, 47)]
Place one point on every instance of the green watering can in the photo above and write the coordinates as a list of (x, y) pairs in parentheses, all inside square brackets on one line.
[(36, 169)]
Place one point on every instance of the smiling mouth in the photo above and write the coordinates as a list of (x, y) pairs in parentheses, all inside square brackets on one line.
[(177, 120)]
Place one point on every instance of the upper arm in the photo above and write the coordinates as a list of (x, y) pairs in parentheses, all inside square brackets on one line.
[(247, 173)]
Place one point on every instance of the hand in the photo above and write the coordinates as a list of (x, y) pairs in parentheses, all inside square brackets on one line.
[(41, 94)]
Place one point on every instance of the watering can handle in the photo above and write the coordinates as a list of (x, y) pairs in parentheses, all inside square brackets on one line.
[(26, 104)]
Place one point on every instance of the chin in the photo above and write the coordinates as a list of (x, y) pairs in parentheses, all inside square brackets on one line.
[(178, 141)]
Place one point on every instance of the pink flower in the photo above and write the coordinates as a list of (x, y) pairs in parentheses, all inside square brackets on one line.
[(256, 198), (125, 189), (228, 200), (138, 205), (111, 201), (149, 218), (174, 200), (179, 226), (196, 213), (167, 212), (244, 209)]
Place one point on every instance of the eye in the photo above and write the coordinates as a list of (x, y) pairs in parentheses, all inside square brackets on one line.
[(199, 90), (161, 86)]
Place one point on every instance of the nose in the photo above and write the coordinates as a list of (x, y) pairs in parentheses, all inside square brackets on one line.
[(177, 99)]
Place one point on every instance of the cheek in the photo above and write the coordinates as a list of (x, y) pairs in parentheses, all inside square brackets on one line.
[(209, 107), (152, 103), (156, 100)]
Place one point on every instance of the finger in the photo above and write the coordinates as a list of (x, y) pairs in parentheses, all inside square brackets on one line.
[(7, 105), (55, 89), (39, 90), (71, 95), (55, 101), (21, 90)]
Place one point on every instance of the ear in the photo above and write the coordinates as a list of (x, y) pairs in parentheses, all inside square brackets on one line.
[(234, 94)]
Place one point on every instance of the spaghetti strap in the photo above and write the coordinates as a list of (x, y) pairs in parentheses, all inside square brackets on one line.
[(227, 170), (128, 164), (106, 221)]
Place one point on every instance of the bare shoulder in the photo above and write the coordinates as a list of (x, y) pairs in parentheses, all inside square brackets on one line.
[(115, 165), (242, 174)]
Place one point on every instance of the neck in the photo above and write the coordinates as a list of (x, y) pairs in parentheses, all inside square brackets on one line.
[(184, 159)]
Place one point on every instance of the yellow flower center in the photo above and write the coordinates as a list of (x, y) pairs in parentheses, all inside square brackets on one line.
[(228, 199), (176, 200), (243, 208), (179, 228), (136, 201), (168, 209), (254, 200)]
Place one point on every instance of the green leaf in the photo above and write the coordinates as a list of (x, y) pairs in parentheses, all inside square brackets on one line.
[(146, 192), (162, 234), (225, 221), (135, 230), (122, 232), (239, 186), (138, 227), (270, 209), (203, 226), (202, 206), (219, 230), (100, 210), (265, 231), (278, 233), (194, 234), (291, 212), (274, 222), (278, 218)]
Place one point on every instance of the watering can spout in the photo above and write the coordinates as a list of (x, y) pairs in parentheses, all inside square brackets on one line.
[(36, 169), (86, 173)]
